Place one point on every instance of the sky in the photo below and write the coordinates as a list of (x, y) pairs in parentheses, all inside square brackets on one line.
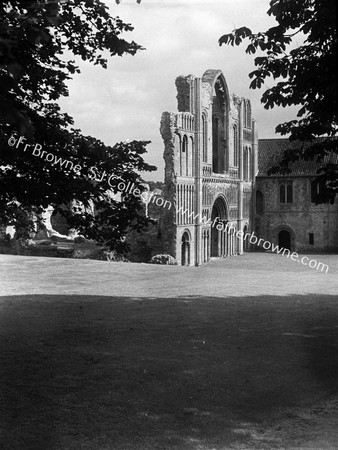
[(126, 101)]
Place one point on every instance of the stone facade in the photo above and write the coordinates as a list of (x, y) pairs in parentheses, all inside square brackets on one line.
[(210, 166), (286, 210)]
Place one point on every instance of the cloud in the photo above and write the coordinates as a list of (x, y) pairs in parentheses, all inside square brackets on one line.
[(181, 37)]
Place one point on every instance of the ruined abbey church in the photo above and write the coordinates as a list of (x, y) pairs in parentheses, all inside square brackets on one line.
[(210, 166), (218, 189), (217, 183)]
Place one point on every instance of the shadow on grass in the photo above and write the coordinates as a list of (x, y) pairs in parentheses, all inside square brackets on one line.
[(96, 372)]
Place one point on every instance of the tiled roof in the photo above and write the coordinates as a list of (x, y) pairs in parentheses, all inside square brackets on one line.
[(270, 152)]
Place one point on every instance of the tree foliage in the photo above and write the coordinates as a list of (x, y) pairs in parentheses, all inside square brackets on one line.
[(306, 76), (34, 38), (34, 35)]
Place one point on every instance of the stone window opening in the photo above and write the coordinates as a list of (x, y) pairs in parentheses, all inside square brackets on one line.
[(286, 193), (192, 159), (184, 157), (289, 194), (311, 239), (180, 150), (204, 139), (235, 142), (218, 128), (247, 164), (317, 189), (247, 114)]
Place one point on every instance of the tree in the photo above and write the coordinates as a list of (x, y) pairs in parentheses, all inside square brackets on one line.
[(306, 76), (34, 36)]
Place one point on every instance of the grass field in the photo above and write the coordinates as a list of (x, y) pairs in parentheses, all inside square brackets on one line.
[(238, 354)]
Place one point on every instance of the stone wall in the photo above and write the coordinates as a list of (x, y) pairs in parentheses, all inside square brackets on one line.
[(203, 153), (301, 217)]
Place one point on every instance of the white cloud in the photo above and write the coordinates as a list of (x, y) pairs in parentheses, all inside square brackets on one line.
[(181, 37)]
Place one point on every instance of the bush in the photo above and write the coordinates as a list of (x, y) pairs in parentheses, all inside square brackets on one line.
[(46, 243), (7, 245), (111, 255), (79, 240), (99, 254), (6, 241), (163, 259)]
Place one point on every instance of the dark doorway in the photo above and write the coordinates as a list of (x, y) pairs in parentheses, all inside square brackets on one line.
[(185, 250), (218, 237), (284, 239)]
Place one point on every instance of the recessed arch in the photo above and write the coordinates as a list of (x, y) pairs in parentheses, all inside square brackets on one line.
[(246, 109), (285, 237), (220, 119), (185, 248), (204, 138), (235, 145), (191, 171), (219, 219), (184, 156)]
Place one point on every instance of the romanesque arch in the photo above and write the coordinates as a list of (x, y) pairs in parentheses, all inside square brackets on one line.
[(185, 249), (220, 114), (219, 235)]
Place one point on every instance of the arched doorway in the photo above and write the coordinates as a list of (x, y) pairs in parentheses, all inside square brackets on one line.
[(284, 239), (219, 235), (185, 250)]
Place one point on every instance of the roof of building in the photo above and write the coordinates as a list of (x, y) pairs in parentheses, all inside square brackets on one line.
[(270, 153)]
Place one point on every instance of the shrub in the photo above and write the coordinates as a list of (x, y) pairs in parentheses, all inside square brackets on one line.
[(163, 259), (5, 241), (111, 255), (45, 243), (79, 240)]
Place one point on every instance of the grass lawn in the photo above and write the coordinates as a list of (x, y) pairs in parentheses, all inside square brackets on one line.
[(239, 354)]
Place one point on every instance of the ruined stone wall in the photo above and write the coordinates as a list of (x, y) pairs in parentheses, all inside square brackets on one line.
[(185, 93), (171, 158), (206, 113)]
